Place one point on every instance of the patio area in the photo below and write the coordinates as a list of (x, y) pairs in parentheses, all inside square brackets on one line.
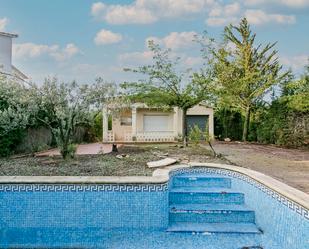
[(82, 149)]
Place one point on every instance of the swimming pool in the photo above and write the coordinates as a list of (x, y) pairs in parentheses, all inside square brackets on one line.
[(196, 207)]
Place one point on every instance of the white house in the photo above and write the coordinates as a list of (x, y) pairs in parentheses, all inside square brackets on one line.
[(141, 123), (6, 66)]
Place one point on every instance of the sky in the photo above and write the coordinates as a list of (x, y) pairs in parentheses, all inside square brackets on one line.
[(84, 39)]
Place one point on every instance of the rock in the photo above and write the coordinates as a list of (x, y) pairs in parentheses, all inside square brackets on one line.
[(122, 156), (161, 163), (185, 161), (227, 139)]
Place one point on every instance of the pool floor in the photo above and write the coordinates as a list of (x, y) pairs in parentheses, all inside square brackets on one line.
[(122, 239)]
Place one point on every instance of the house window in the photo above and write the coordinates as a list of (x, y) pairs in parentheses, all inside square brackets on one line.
[(156, 123), (126, 121)]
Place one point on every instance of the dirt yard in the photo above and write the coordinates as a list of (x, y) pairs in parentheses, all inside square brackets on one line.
[(287, 165), (132, 162)]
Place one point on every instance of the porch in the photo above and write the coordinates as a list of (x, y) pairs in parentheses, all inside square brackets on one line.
[(140, 124)]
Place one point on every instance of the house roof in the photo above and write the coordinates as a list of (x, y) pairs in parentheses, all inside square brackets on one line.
[(8, 35), (19, 74)]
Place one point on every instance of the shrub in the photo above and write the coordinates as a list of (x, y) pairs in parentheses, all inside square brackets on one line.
[(228, 124), (9, 142), (195, 135)]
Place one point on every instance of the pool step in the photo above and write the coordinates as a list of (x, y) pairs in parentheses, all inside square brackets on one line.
[(214, 227), (203, 181), (210, 213), (201, 203), (199, 195)]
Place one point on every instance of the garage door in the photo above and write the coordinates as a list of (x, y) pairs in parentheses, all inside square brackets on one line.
[(199, 120), (155, 123)]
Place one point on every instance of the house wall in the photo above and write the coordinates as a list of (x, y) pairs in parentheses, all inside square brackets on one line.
[(175, 121), (5, 54), (118, 129)]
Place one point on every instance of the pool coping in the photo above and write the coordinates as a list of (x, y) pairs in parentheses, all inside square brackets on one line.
[(282, 188), (162, 176)]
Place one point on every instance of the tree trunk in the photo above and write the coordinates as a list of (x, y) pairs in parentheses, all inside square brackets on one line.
[(114, 148), (212, 148), (184, 127), (246, 124)]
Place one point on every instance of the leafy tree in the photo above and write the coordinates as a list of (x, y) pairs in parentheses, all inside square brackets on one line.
[(245, 72), (15, 114), (164, 84), (64, 106)]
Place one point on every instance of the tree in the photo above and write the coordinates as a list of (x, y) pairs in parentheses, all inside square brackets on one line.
[(296, 92), (245, 72), (64, 106), (15, 114), (164, 85)]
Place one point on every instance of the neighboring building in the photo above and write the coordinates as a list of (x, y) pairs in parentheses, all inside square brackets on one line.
[(141, 123), (6, 66)]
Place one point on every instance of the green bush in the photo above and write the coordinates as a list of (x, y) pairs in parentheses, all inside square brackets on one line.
[(228, 124), (279, 124), (9, 142), (97, 126), (72, 150)]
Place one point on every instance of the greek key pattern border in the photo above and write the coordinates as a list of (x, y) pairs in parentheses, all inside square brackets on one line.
[(272, 193), (83, 187)]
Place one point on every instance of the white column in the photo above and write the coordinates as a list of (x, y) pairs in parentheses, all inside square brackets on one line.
[(211, 124), (175, 120), (134, 121), (105, 124)]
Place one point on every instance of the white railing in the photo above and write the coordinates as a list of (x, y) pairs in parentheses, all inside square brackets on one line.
[(128, 137), (155, 137), (144, 137), (110, 136)]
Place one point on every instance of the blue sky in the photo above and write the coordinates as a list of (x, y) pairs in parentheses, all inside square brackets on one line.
[(79, 39)]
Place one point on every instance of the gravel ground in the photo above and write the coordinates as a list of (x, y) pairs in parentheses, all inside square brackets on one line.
[(287, 165)]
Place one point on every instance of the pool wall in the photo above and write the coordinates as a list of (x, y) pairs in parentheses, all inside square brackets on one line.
[(106, 206), (62, 203)]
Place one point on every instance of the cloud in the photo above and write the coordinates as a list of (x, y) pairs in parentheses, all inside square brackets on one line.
[(97, 8), (175, 40), (129, 14), (296, 62), (3, 22), (223, 15), (259, 17), (133, 58), (147, 11), (32, 50), (288, 3), (104, 37), (192, 61), (66, 53)]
